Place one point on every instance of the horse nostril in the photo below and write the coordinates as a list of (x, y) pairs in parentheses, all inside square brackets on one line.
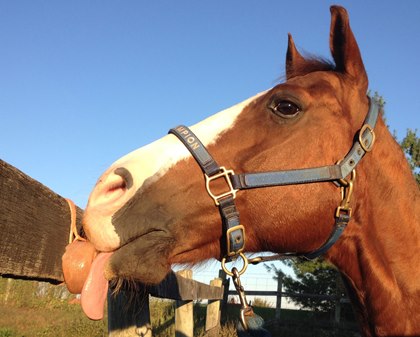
[(116, 186), (126, 175), (113, 187)]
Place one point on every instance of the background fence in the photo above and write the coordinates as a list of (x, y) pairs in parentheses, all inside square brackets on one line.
[(129, 313), (181, 288)]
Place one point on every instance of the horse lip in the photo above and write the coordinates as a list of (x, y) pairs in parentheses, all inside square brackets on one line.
[(140, 258), (136, 238)]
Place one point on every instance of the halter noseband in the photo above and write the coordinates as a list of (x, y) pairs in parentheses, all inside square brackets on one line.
[(234, 242)]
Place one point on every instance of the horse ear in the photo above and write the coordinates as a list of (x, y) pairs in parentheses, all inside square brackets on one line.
[(294, 60), (344, 48)]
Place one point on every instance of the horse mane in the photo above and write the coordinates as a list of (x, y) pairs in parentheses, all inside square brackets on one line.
[(312, 64)]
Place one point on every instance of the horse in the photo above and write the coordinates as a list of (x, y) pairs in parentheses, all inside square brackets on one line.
[(152, 208)]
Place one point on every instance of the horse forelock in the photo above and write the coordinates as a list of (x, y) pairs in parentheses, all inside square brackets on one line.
[(312, 64)]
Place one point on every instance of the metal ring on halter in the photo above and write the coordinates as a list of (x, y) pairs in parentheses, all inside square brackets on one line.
[(343, 182), (244, 258)]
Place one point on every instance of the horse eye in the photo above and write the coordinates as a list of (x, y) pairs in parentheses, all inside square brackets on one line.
[(286, 109)]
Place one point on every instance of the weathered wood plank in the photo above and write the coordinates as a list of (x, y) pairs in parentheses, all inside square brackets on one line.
[(213, 312), (176, 287), (184, 319), (224, 304), (34, 227)]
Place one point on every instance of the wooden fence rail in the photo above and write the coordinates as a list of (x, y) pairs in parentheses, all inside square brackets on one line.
[(34, 227)]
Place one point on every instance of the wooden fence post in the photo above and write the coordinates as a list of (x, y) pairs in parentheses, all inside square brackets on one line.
[(213, 312), (184, 321), (226, 285), (337, 312), (128, 313), (278, 296)]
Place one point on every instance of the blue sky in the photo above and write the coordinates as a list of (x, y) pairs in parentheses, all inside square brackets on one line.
[(85, 82)]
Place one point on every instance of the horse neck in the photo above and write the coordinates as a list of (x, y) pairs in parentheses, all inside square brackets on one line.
[(378, 253)]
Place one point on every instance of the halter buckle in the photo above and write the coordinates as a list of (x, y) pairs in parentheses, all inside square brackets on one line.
[(222, 174), (234, 239), (364, 142)]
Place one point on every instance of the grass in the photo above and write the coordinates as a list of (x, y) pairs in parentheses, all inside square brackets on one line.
[(32, 309), (47, 321)]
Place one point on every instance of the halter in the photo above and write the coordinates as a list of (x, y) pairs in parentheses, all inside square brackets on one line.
[(234, 243)]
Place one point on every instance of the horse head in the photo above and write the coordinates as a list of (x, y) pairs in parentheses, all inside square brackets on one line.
[(150, 208)]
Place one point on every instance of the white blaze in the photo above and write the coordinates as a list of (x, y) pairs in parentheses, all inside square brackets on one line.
[(156, 158)]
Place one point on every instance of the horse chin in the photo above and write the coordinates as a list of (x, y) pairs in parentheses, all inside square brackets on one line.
[(144, 261)]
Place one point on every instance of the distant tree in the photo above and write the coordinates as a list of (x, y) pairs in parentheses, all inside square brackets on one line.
[(410, 143), (411, 146), (381, 102), (312, 277)]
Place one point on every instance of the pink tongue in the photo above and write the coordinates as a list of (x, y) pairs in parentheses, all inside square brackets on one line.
[(95, 289)]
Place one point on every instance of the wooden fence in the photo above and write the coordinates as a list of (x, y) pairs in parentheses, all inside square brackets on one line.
[(129, 315), (184, 290)]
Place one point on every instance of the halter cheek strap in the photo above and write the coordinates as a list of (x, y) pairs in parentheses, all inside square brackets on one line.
[(363, 144), (234, 242)]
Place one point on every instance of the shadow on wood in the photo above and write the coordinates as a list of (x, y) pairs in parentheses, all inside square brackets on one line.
[(177, 287), (128, 313)]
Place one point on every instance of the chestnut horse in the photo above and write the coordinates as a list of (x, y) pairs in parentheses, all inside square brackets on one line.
[(150, 209)]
